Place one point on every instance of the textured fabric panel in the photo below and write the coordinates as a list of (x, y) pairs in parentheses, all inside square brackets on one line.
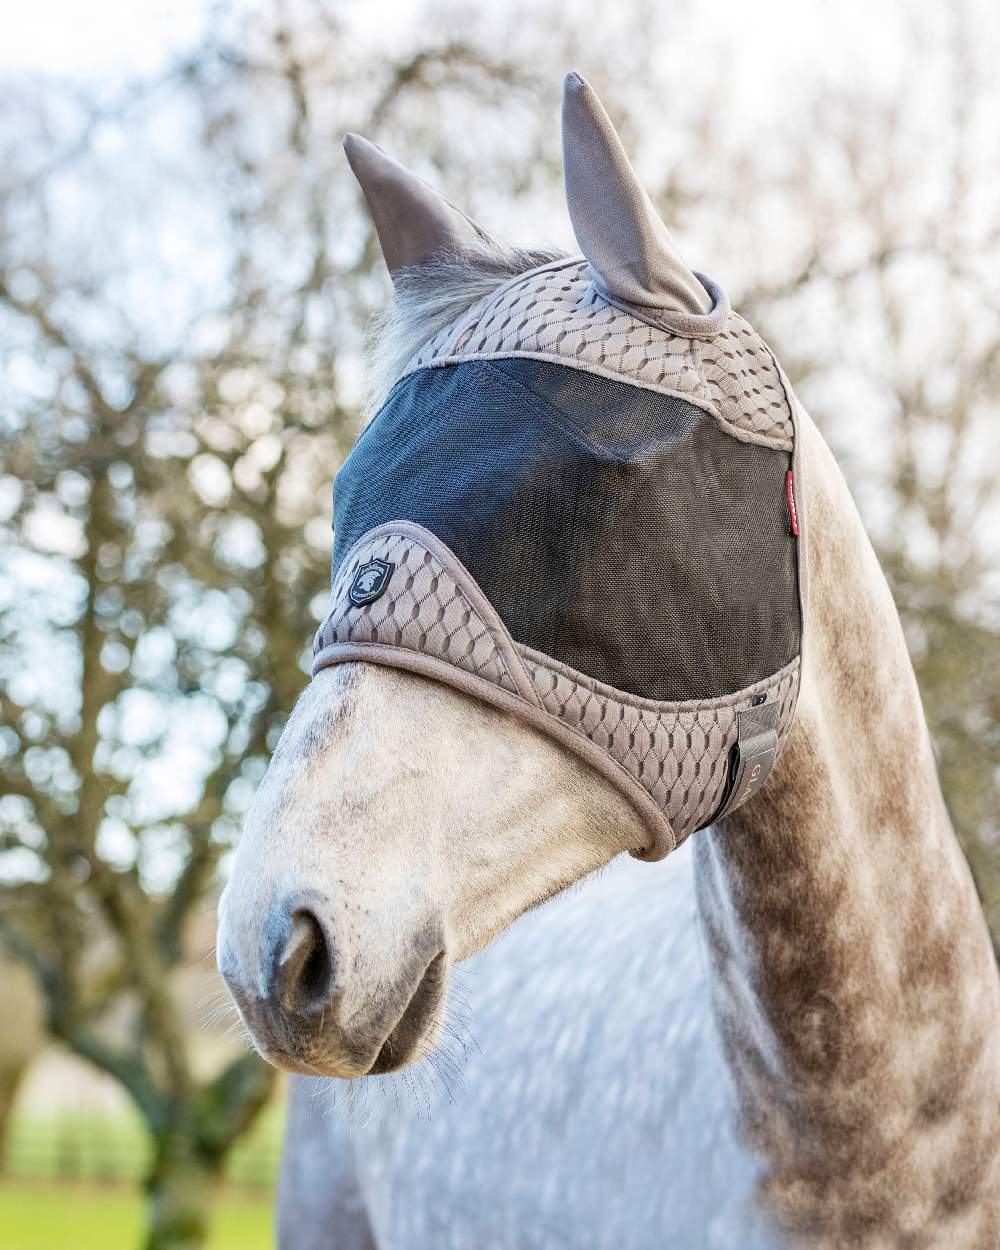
[(614, 528), (556, 313), (677, 753), (744, 384), (423, 609), (449, 341)]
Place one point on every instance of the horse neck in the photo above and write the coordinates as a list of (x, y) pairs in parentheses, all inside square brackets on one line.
[(854, 981)]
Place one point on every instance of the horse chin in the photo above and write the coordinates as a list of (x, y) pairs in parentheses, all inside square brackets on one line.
[(416, 1031)]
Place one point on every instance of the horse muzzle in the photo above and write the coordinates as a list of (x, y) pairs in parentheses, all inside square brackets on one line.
[(294, 994)]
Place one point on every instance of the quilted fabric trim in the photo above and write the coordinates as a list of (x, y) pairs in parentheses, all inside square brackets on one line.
[(555, 313), (678, 752), (433, 617)]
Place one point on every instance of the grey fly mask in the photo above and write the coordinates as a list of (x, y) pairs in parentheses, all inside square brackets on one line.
[(578, 500)]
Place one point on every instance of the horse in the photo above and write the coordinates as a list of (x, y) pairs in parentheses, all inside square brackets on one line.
[(787, 1033)]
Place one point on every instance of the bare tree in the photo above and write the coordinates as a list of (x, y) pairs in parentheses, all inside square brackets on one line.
[(166, 496)]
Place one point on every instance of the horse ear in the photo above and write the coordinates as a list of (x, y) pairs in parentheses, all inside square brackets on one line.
[(413, 222), (632, 257)]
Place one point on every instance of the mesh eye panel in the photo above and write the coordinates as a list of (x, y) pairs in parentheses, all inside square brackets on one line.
[(616, 529)]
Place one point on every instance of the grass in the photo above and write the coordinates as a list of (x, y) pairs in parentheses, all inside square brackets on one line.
[(43, 1216), (72, 1183), (85, 1146)]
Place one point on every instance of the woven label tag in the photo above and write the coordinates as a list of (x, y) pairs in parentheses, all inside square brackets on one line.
[(793, 512)]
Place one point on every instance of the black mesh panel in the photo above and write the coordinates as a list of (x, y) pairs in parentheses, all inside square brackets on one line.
[(613, 528)]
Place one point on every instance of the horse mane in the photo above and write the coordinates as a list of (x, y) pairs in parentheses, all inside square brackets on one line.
[(431, 296)]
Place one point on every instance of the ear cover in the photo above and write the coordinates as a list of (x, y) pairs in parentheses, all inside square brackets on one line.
[(633, 259), (412, 220)]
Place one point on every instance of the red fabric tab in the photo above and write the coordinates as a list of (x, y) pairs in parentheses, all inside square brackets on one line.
[(793, 514)]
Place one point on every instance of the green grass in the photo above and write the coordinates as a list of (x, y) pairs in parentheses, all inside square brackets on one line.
[(72, 1183), (35, 1216), (84, 1146), (77, 1146)]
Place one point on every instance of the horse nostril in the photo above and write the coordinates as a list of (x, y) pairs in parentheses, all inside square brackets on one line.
[(305, 972)]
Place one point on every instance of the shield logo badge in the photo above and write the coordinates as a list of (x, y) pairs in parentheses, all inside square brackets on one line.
[(370, 582)]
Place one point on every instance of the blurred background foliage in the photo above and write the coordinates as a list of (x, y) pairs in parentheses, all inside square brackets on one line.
[(186, 274)]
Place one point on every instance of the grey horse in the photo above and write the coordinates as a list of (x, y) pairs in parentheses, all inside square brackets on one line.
[(787, 1034), (598, 1073)]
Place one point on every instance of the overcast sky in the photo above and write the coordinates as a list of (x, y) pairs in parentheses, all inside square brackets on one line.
[(119, 38), (101, 37)]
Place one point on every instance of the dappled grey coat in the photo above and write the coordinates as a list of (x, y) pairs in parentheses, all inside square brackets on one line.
[(599, 1074)]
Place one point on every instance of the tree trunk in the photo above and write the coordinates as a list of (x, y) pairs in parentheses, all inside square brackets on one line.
[(179, 1192), (10, 1080)]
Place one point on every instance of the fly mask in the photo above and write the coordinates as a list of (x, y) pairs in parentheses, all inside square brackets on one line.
[(578, 500)]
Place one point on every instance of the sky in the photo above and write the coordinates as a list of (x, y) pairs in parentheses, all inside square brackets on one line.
[(112, 37), (66, 37)]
